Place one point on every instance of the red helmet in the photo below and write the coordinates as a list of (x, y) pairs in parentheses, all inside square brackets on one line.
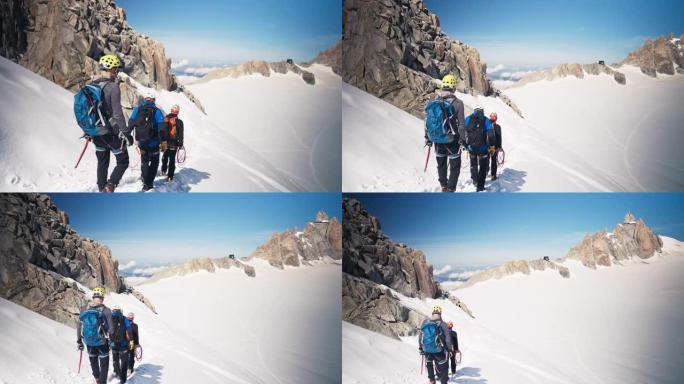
[(450, 324), (493, 116)]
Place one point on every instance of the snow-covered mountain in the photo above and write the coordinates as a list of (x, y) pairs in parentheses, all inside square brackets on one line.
[(609, 325)]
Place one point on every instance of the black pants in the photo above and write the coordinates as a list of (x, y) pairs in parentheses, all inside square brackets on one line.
[(479, 165), (170, 159), (99, 362), (149, 163), (452, 357), (120, 357), (437, 364), (495, 164), (104, 145), (131, 360), (448, 153)]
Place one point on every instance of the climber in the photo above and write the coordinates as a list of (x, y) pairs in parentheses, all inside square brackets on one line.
[(454, 349), (480, 142), (174, 141), (94, 323), (435, 345), (148, 122), (444, 127), (118, 135), (136, 342), (121, 341), (497, 143)]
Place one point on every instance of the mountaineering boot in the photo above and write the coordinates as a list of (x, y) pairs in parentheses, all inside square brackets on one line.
[(146, 188), (445, 189), (109, 188), (169, 179), (494, 177)]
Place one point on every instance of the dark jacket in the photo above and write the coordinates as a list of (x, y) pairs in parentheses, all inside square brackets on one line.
[(178, 141), (105, 311), (123, 344), (159, 128), (134, 330), (497, 132), (454, 339), (112, 104)]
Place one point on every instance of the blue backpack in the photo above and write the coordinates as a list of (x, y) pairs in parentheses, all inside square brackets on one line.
[(93, 327), (88, 110), (438, 115), (432, 337)]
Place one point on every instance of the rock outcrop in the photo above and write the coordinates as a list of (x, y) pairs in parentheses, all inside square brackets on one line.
[(201, 264), (62, 41), (319, 240), (41, 258), (370, 254), (395, 49), (663, 55), (375, 308), (331, 57), (631, 238), (513, 267), (577, 70), (257, 67)]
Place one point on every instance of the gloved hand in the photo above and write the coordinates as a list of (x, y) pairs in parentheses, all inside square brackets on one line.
[(163, 146), (126, 138), (80, 345), (421, 351), (131, 345), (428, 143), (492, 150)]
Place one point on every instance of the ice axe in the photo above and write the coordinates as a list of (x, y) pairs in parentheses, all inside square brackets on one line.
[(85, 146), (80, 359), (427, 158)]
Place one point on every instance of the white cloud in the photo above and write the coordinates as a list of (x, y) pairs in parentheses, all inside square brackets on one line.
[(128, 265), (497, 68), (182, 63), (517, 75), (465, 275), (199, 71), (147, 271), (442, 270)]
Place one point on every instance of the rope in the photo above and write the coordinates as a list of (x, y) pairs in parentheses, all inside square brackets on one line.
[(136, 166), (500, 156), (138, 353), (180, 159)]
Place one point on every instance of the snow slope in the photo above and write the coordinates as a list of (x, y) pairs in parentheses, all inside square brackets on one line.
[(611, 325), (578, 135), (40, 155), (223, 327), (294, 125)]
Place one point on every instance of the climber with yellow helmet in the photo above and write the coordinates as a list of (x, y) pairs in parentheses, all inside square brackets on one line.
[(435, 344), (94, 324), (117, 135), (444, 128)]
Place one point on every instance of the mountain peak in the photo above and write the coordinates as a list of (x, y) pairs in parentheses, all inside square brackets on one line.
[(664, 54)]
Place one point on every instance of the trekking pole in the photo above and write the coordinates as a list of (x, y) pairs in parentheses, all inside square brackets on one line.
[(80, 359), (427, 158), (422, 361), (85, 146)]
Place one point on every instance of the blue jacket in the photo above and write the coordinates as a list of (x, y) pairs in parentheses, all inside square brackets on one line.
[(490, 135), (158, 122), (128, 329)]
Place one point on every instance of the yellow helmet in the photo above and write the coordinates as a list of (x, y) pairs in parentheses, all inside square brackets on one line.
[(436, 309), (110, 62), (449, 81), (99, 292)]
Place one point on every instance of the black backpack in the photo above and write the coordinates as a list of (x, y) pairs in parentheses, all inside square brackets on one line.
[(144, 125), (118, 333), (475, 131)]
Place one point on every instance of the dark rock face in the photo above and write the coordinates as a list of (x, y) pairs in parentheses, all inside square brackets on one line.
[(40, 252), (394, 49), (369, 254), (663, 55), (320, 239), (62, 41), (375, 308)]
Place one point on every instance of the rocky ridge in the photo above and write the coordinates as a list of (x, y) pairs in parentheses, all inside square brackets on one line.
[(395, 50), (630, 239), (372, 264), (201, 264), (664, 55), (258, 67), (574, 69), (331, 57), (63, 40), (42, 259), (321, 239)]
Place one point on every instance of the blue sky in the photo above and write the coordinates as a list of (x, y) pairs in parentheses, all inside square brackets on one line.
[(163, 228), (474, 230), (535, 33), (233, 31)]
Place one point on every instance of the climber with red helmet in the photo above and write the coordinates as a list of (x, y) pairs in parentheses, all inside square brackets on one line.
[(174, 141)]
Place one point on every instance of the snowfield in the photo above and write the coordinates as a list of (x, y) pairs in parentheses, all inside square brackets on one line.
[(40, 156), (578, 135), (612, 325), (222, 327)]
